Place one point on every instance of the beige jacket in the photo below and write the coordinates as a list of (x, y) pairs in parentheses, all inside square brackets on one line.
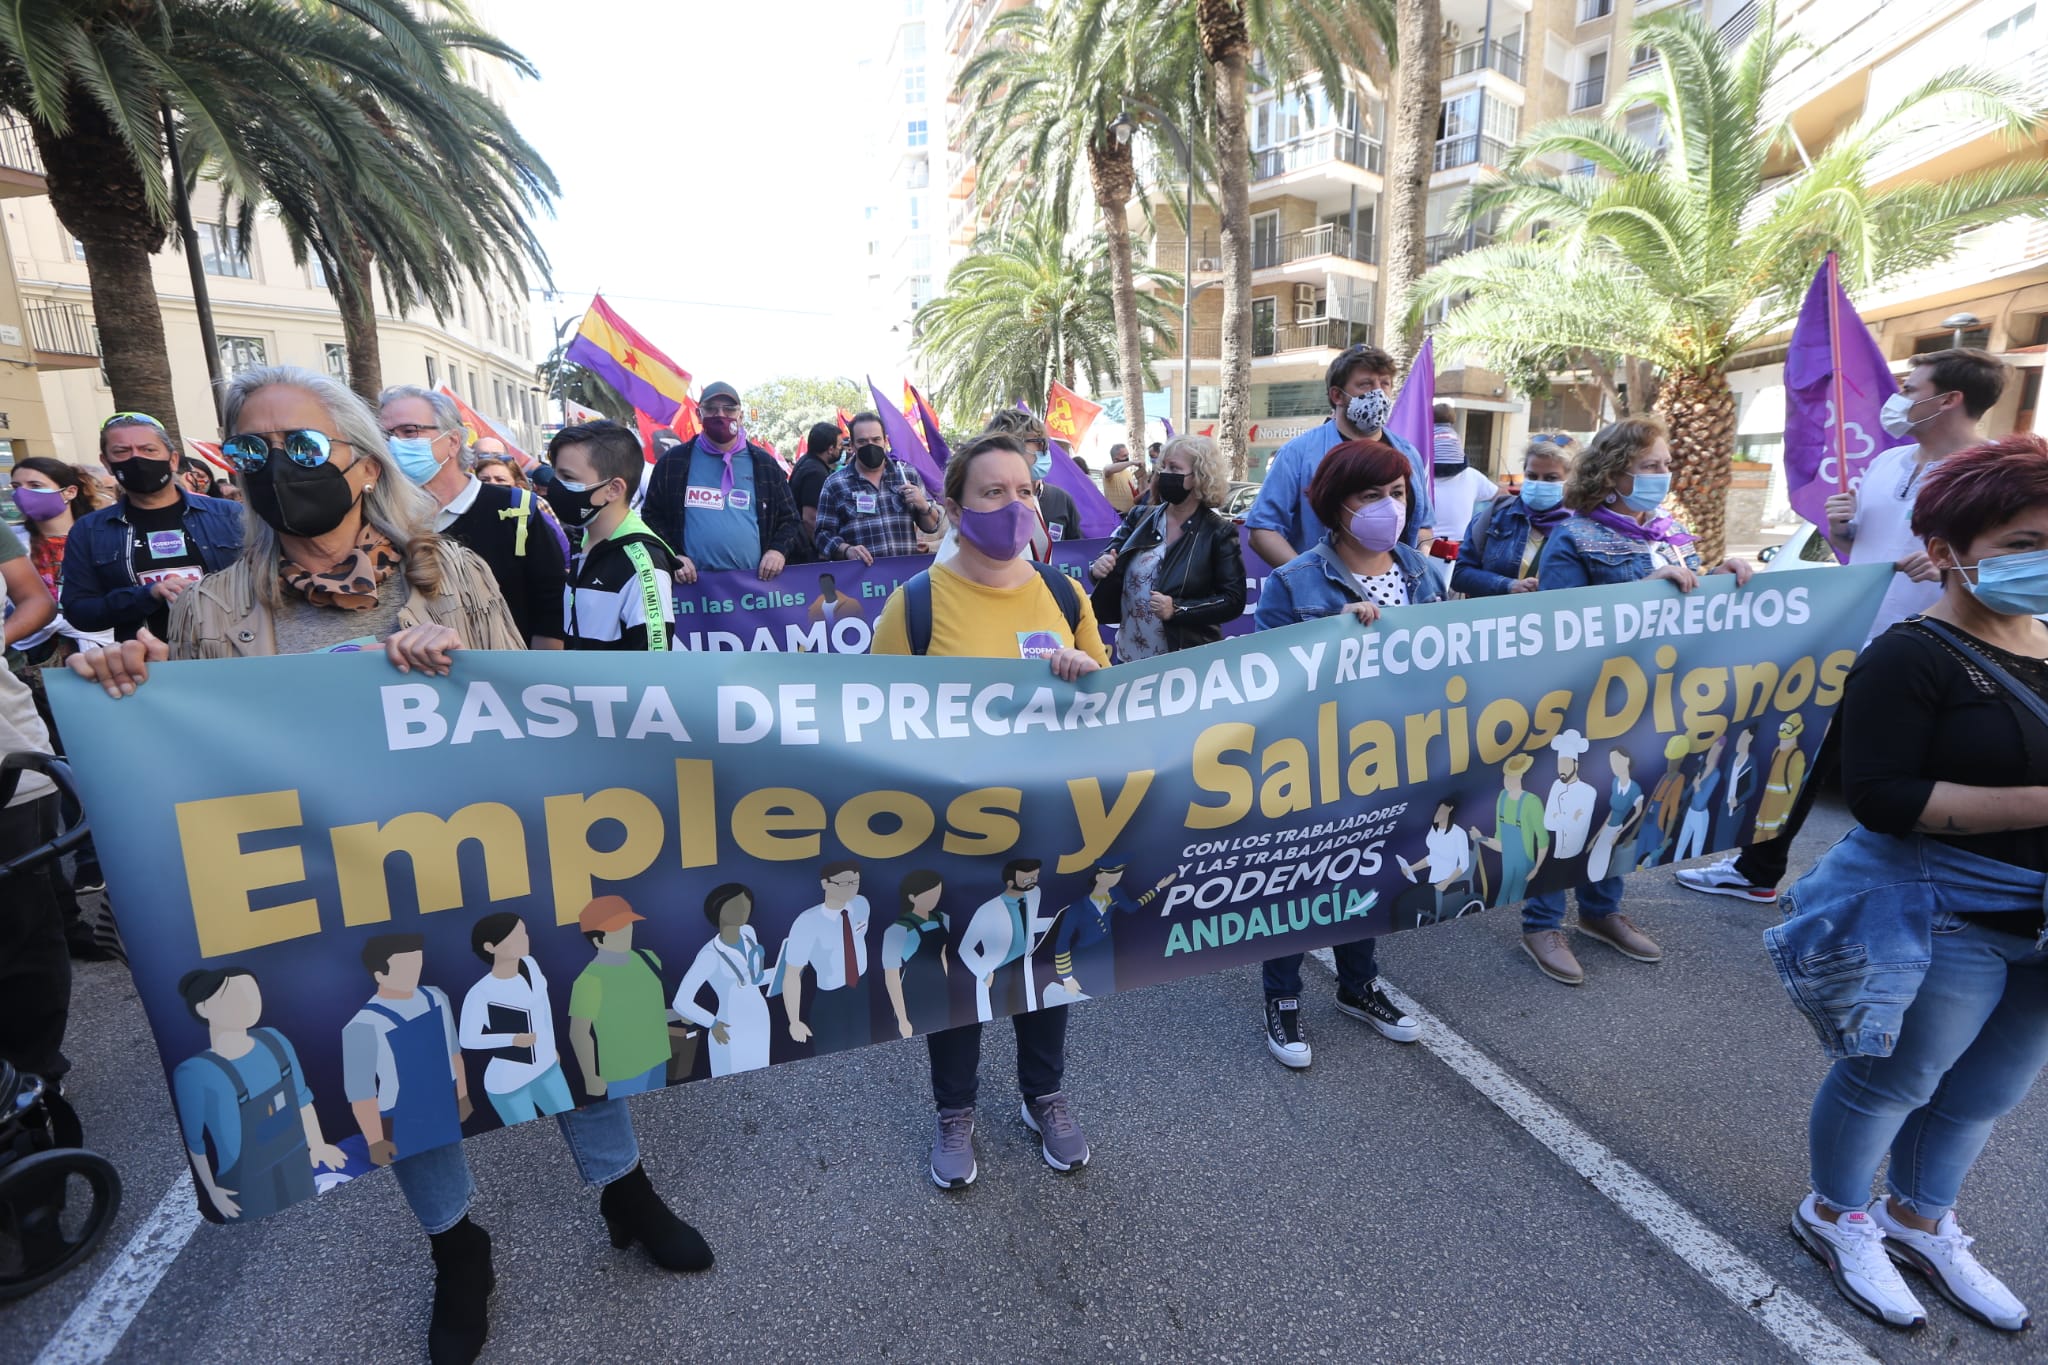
[(220, 617)]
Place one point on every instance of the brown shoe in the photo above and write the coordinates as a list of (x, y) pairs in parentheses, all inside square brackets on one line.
[(1554, 955), (1617, 933)]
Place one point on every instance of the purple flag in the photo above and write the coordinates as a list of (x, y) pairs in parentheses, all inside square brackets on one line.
[(1413, 418), (905, 445), (933, 441), (1833, 360), (1098, 518), (1167, 422)]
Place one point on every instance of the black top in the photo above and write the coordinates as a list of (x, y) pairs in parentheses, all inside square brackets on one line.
[(1056, 505), (805, 480), (530, 575), (160, 550), (1914, 713), (1203, 572)]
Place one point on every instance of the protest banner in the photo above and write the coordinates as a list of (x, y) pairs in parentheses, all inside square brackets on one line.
[(831, 608), (598, 873)]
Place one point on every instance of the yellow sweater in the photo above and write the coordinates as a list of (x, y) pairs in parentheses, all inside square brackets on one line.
[(973, 621)]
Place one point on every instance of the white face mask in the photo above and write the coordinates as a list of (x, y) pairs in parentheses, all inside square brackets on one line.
[(1897, 416)]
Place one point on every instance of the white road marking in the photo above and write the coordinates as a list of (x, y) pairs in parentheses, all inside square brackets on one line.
[(1803, 1329), (97, 1325)]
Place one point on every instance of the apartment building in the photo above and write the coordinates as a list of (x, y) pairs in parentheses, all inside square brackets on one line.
[(1994, 292), (906, 95)]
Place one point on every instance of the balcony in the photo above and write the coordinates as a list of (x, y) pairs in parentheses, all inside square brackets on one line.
[(1326, 239), (21, 165), (1913, 145), (61, 336), (1589, 93), (1483, 56), (1470, 149), (1324, 334), (1332, 144), (1444, 245)]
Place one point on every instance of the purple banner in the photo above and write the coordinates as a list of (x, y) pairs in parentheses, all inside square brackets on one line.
[(1812, 441), (906, 445), (832, 608), (1098, 518), (1414, 416)]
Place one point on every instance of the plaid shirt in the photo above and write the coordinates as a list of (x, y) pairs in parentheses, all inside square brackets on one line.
[(889, 529)]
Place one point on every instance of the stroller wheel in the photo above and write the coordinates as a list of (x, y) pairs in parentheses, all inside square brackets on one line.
[(55, 1206)]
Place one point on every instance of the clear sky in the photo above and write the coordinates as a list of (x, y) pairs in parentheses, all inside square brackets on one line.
[(709, 156)]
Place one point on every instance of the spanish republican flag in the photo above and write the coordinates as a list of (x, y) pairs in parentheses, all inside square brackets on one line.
[(608, 347), (1068, 415)]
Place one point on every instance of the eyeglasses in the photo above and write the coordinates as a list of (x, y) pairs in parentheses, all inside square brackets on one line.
[(125, 418), (250, 451), (412, 431)]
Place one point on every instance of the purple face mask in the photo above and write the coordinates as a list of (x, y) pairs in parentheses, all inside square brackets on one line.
[(39, 504), (1002, 534), (1377, 525)]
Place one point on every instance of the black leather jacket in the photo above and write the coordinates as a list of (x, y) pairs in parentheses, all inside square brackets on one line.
[(1203, 572)]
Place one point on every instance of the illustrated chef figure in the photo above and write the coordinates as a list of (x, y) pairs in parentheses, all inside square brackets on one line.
[(1569, 813)]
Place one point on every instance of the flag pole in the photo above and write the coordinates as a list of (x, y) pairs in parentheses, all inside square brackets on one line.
[(1835, 375)]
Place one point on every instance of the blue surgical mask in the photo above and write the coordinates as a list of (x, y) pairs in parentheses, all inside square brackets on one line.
[(2011, 585), (1042, 466), (415, 457), (1538, 496), (1649, 492)]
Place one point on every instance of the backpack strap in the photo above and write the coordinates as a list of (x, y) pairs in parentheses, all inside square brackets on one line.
[(917, 611), (1484, 529), (1063, 592), (518, 514)]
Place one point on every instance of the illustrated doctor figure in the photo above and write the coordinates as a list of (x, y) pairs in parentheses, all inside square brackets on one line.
[(1000, 940), (731, 963)]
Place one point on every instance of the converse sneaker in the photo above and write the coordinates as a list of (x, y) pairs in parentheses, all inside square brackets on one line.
[(953, 1166), (1284, 1038), (1943, 1256), (1721, 879), (1853, 1250), (1377, 1010), (1061, 1141)]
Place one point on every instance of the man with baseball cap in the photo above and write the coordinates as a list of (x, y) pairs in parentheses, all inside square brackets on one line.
[(719, 500)]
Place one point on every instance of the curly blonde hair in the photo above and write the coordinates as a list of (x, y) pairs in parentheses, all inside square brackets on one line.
[(1608, 457), (1208, 469)]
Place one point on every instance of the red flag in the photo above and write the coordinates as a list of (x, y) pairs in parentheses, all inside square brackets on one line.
[(210, 453), (1068, 415), (686, 426), (844, 430), (647, 429), (480, 426)]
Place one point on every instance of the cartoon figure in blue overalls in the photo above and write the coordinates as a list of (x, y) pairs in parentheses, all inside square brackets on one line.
[(400, 1065), (247, 1096)]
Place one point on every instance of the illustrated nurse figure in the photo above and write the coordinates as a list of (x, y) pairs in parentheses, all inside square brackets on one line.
[(732, 963)]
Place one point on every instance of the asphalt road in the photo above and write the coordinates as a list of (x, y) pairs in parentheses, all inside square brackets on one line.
[(1376, 1207)]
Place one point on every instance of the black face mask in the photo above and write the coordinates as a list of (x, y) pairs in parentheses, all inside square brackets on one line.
[(297, 501), (140, 474), (1171, 488), (572, 506), (1444, 469), (872, 456)]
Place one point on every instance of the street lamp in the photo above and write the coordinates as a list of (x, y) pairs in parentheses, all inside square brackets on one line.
[(1957, 324)]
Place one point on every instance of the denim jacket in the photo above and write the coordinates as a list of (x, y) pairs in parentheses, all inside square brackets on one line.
[(100, 591), (1584, 553), (1489, 564), (1859, 933), (1309, 587)]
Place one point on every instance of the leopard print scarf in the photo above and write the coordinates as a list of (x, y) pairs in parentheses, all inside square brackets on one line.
[(352, 584)]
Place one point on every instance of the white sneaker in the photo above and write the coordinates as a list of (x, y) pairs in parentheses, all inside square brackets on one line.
[(1943, 1256), (1285, 1037), (1853, 1250), (1721, 879)]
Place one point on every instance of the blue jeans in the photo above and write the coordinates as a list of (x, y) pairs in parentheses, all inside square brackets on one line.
[(547, 1093), (653, 1078), (438, 1185), (1597, 900), (1969, 1048), (1357, 964)]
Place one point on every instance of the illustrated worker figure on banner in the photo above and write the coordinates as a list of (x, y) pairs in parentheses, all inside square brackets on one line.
[(831, 938), (1084, 950), (401, 1068), (1000, 939), (507, 1016), (733, 965)]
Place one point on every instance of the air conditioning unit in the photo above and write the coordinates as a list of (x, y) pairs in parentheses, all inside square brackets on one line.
[(1304, 294), (1207, 265), (1306, 312)]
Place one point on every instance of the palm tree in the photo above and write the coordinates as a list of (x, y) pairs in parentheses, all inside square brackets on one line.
[(1411, 156), (1290, 36), (92, 79), (1681, 253), (1062, 90), (1030, 305)]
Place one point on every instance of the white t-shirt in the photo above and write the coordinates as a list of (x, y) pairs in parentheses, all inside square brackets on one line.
[(505, 1075), (1450, 852), (1884, 531), (1569, 816), (1455, 499)]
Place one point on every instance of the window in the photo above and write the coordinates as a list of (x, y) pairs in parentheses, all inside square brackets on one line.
[(433, 374), (1979, 337), (77, 249), (337, 360), (921, 254), (920, 174), (1265, 337), (1265, 240), (1646, 124), (1502, 121), (1592, 86), (2000, 34), (1305, 399), (476, 388), (498, 397), (490, 323), (916, 212), (915, 132), (240, 353), (913, 42), (462, 315), (316, 273), (222, 251), (1208, 400), (913, 85), (913, 9), (1589, 10), (920, 291)]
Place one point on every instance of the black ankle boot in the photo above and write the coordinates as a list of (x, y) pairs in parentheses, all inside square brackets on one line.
[(633, 1212), (463, 1281)]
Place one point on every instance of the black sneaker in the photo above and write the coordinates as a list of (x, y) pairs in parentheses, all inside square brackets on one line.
[(1284, 1036), (1377, 1010)]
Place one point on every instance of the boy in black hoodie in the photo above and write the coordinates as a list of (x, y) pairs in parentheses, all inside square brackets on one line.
[(618, 591)]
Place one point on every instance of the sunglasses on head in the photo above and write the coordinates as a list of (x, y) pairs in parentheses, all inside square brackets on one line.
[(125, 418), (250, 451)]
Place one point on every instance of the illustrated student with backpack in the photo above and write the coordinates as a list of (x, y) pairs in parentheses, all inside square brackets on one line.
[(991, 601)]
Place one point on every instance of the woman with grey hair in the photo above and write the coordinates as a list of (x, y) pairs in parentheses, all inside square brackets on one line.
[(1173, 575), (340, 555)]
